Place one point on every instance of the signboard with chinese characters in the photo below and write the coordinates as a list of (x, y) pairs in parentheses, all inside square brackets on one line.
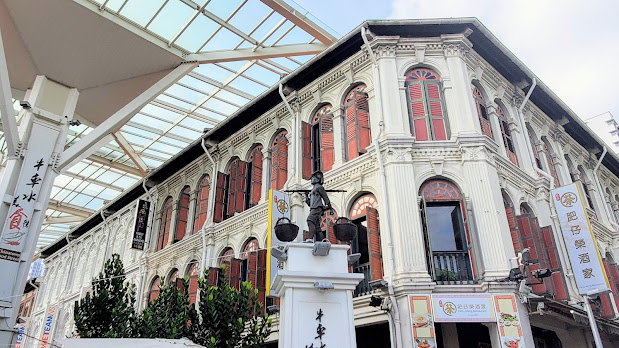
[(279, 206), (579, 240), (35, 165), (460, 308), (141, 221)]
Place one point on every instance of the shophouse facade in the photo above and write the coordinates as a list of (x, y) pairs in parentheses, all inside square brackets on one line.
[(467, 161)]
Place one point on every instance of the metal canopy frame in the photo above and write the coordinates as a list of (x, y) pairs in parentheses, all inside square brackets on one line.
[(242, 47)]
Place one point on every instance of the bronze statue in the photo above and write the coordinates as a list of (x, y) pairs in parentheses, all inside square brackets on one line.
[(315, 199)]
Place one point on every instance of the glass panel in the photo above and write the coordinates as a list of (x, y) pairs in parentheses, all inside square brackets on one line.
[(445, 227)]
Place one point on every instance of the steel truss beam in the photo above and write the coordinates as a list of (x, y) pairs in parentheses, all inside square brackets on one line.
[(301, 21), (257, 53), (9, 123)]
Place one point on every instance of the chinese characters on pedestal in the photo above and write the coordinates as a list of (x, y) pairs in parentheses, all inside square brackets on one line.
[(320, 331)]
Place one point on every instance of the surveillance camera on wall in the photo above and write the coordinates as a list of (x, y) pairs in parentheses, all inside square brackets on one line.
[(24, 104)]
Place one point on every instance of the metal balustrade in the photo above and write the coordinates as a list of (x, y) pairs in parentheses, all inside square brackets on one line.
[(452, 267), (363, 288)]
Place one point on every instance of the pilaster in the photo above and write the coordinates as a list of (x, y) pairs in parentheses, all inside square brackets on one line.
[(191, 215), (174, 221), (493, 235), (394, 119), (338, 136), (460, 104), (266, 177), (496, 128)]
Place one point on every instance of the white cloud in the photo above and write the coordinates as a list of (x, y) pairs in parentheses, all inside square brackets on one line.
[(571, 45)]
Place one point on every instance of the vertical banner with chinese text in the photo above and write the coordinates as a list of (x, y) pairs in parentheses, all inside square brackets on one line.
[(279, 206), (141, 221), (508, 321), (580, 242)]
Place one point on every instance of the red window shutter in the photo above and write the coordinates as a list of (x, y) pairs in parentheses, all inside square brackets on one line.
[(256, 176), (363, 120), (241, 189), (279, 161), (166, 220), (235, 273), (233, 169), (435, 107), (202, 203), (261, 275), (220, 197), (375, 251), (513, 229), (557, 282), (351, 132), (469, 240), (528, 236), (252, 267), (326, 142), (607, 307), (154, 290), (213, 275), (183, 214), (551, 166), (417, 109), (307, 150), (194, 273)]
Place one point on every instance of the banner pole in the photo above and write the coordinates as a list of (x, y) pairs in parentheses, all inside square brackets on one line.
[(593, 323)]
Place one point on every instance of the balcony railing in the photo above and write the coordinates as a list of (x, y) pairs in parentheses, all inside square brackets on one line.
[(364, 286), (452, 267)]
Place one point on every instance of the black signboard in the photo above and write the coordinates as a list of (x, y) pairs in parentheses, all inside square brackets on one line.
[(141, 221)]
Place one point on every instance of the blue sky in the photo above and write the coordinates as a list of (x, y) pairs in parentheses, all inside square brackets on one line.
[(572, 46)]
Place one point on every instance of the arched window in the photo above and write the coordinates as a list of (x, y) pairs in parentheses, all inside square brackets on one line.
[(155, 285), (194, 274), (508, 141), (279, 160), (448, 242), (326, 224), (182, 214), (552, 169), (318, 150), (583, 180), (234, 267), (425, 104), (254, 177), (166, 221), (357, 122), (533, 141), (363, 213), (230, 190), (204, 189), (226, 256), (608, 197), (482, 113), (173, 276), (250, 261)]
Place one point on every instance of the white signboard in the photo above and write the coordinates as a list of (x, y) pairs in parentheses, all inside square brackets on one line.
[(279, 206), (26, 194), (451, 308), (579, 240), (36, 269)]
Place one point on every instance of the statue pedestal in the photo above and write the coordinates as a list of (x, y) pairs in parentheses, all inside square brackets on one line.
[(316, 298)]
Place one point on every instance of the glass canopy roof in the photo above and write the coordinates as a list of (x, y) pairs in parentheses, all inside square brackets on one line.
[(207, 95)]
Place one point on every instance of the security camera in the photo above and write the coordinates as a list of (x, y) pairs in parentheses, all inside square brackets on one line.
[(25, 104), (542, 273), (279, 254), (353, 258), (323, 285)]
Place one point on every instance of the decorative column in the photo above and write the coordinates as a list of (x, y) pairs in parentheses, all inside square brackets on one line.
[(266, 173), (519, 132), (493, 236), (154, 241), (316, 298), (407, 233), (496, 128), (460, 104), (338, 136), (172, 231), (389, 89), (191, 215)]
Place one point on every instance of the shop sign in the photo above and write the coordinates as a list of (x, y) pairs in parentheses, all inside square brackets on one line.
[(141, 221), (48, 326), (21, 334), (508, 321), (422, 321), (36, 269), (460, 308), (579, 240), (279, 206)]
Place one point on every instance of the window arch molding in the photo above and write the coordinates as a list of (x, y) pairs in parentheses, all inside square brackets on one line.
[(165, 222), (355, 206), (355, 121), (550, 153), (344, 92), (173, 274), (277, 170), (182, 213), (482, 100), (154, 288), (411, 64)]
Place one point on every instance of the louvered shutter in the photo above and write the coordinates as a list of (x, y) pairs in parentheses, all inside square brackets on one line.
[(551, 166), (220, 197), (363, 121), (427, 238), (352, 141), (235, 273), (180, 285), (194, 273), (213, 276), (553, 263), (231, 187), (183, 213), (528, 233), (417, 106), (374, 249), (241, 186), (435, 110), (279, 157), (202, 204), (469, 240), (307, 150), (261, 275), (326, 142), (167, 220), (256, 177), (252, 267), (607, 310)]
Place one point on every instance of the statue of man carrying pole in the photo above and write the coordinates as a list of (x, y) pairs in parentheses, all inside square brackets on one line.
[(315, 199)]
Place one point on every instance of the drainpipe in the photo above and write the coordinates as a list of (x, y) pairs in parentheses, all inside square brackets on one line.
[(293, 115), (209, 212), (385, 194), (554, 217)]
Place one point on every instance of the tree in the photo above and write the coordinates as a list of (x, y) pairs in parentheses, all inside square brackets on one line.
[(229, 317), (109, 311), (169, 316)]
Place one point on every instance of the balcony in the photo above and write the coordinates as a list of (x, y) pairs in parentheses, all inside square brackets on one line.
[(452, 268)]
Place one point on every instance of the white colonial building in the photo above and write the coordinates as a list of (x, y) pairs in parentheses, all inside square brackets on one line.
[(447, 147)]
